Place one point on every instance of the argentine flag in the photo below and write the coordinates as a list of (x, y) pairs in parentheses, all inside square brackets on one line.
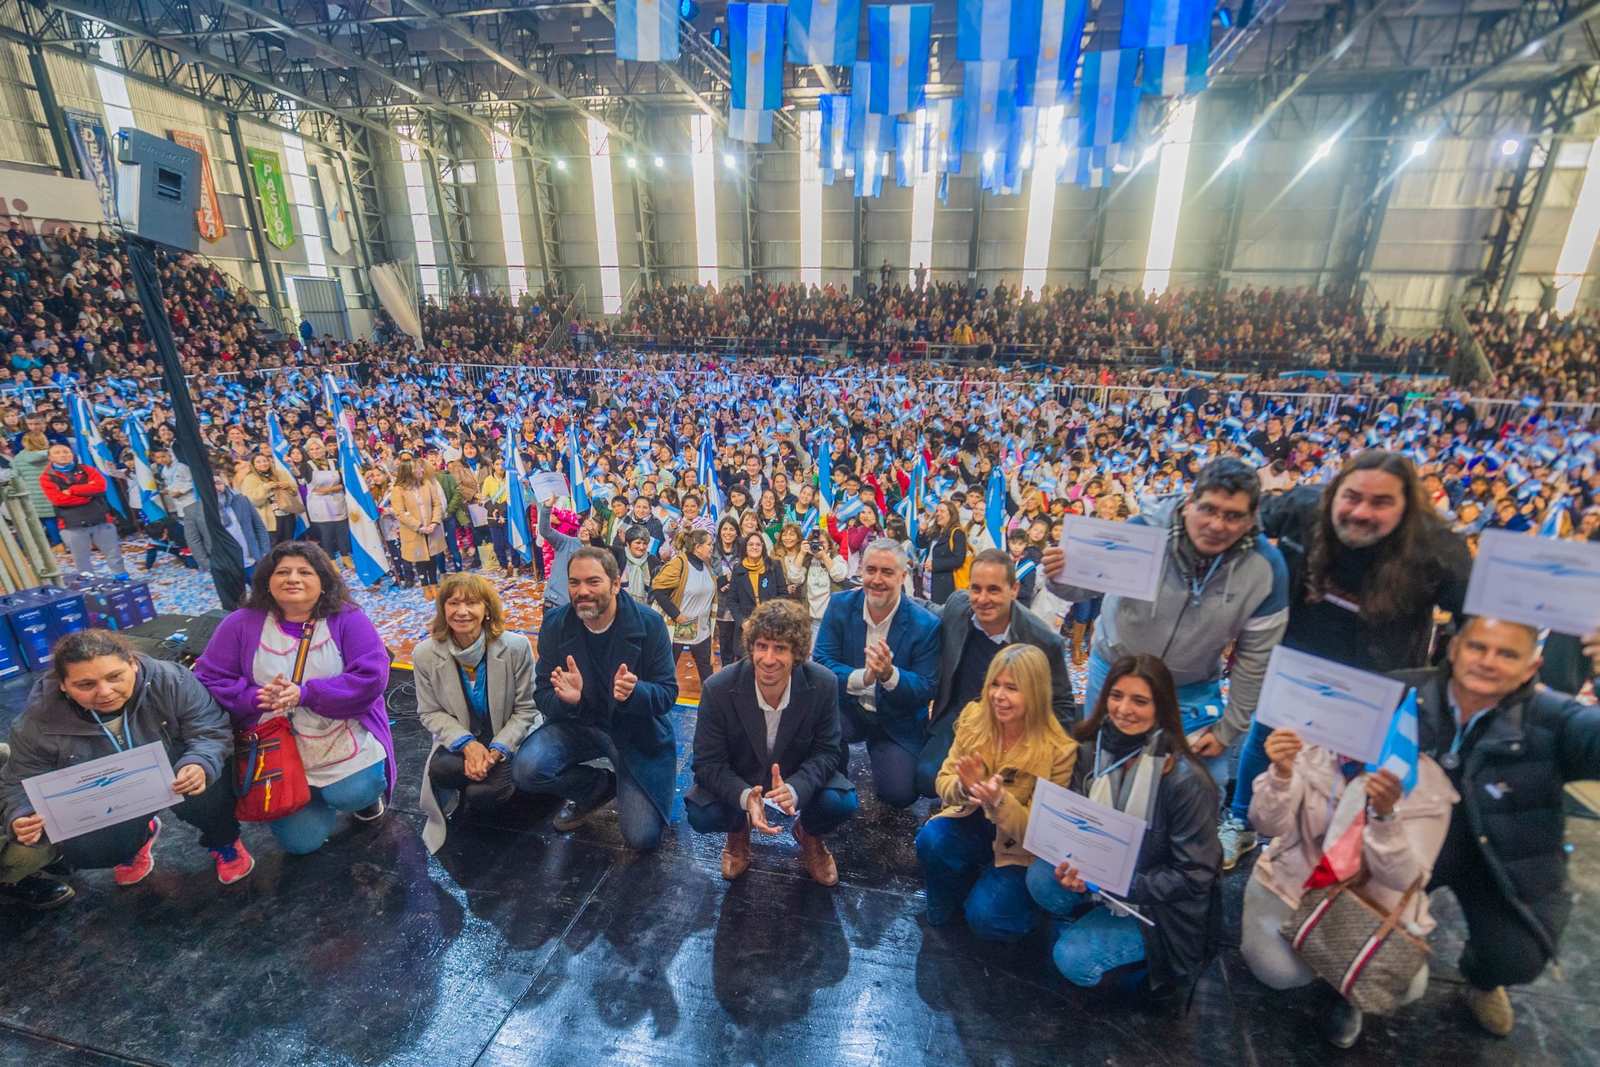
[(824, 31), (1162, 23), (1177, 70), (1551, 527), (1399, 754), (994, 507), (989, 103), (580, 488), (706, 473), (755, 52), (1110, 97), (945, 140), (92, 449), (520, 536), (899, 42), (996, 29), (647, 30), (868, 130), (144, 479), (1045, 78), (833, 143), (280, 454), (366, 541), (751, 127)]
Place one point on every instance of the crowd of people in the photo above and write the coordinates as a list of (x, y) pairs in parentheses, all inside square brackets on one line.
[(854, 558)]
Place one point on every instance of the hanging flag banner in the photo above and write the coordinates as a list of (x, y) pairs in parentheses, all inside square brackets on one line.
[(277, 218), (1163, 23), (945, 149), (755, 53), (996, 29), (899, 42), (824, 31), (869, 131), (834, 139), (1110, 96), (989, 102), (92, 148), (335, 216), (751, 127), (1045, 79), (1177, 70), (647, 30), (209, 214)]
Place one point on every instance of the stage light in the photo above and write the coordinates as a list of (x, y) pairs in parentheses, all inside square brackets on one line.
[(716, 37), (633, 164), (561, 165), (1510, 147), (1324, 150), (688, 10), (1420, 148), (729, 162), (659, 162)]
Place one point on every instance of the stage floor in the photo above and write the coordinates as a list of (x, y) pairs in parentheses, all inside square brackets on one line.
[(520, 945)]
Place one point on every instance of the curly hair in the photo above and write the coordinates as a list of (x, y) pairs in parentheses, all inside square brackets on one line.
[(783, 621), (335, 594)]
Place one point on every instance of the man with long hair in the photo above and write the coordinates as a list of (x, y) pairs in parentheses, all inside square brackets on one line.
[(1369, 563)]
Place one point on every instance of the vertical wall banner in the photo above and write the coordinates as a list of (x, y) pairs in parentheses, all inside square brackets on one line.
[(336, 217), (93, 149), (209, 213), (277, 216)]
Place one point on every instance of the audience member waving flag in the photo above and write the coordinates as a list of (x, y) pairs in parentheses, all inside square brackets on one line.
[(144, 478), (575, 472), (280, 454), (706, 473), (92, 449), (1399, 755), (994, 507), (366, 541)]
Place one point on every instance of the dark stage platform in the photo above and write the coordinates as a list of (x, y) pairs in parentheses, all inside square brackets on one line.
[(519, 945)]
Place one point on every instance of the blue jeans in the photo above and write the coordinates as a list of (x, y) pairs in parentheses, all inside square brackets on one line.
[(829, 809), (958, 868), (551, 761), (450, 546), (1088, 941), (1252, 761), (307, 829)]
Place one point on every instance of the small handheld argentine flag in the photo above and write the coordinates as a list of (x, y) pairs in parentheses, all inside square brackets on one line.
[(1400, 753)]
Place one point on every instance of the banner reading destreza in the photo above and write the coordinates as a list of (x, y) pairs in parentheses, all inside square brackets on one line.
[(209, 213)]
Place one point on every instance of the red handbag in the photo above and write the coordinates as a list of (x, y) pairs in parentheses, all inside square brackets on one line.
[(271, 780)]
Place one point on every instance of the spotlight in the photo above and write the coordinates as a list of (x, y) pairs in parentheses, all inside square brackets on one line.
[(659, 162), (1324, 150), (633, 164), (716, 37), (1510, 147), (1420, 148), (561, 165), (687, 10), (729, 162)]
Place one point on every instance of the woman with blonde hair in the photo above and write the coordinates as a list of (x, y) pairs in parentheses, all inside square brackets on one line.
[(971, 850), (418, 505), (475, 696)]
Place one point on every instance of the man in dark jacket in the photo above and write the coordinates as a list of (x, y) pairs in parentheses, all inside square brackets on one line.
[(78, 493), (102, 699), (1509, 746), (605, 683), (768, 732), (974, 624)]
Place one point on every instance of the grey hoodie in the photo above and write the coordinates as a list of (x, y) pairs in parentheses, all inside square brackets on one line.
[(1244, 599)]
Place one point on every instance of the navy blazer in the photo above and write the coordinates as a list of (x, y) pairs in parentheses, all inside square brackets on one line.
[(639, 727), (914, 641), (730, 735)]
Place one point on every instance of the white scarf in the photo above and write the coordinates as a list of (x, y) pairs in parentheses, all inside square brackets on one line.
[(1146, 778)]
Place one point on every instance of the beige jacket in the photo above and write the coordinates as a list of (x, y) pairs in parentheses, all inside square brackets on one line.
[(1295, 813)]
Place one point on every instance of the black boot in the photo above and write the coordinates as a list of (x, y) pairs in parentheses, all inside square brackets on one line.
[(574, 812), (38, 892)]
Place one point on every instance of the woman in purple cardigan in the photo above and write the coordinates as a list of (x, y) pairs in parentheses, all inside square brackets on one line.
[(341, 725)]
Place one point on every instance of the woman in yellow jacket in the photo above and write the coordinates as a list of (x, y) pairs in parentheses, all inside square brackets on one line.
[(971, 850)]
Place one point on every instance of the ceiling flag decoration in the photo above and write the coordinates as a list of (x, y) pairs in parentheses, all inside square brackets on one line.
[(755, 39), (647, 30), (751, 127), (1109, 96), (1161, 23), (868, 129), (1045, 79), (989, 100), (996, 29), (824, 31), (1177, 70), (834, 143), (899, 42)]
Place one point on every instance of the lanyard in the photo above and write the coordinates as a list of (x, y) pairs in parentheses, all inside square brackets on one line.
[(1452, 759), (126, 744), (1101, 774)]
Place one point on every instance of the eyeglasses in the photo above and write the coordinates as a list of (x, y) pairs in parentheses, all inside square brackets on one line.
[(1231, 518)]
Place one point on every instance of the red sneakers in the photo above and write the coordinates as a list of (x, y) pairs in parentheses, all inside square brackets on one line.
[(138, 869), (233, 862)]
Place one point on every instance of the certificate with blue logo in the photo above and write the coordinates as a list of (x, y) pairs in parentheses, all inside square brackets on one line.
[(1537, 581), (1114, 557), (102, 792), (1101, 842), (1328, 704)]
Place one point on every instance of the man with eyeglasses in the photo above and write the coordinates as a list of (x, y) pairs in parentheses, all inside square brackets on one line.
[(1222, 583)]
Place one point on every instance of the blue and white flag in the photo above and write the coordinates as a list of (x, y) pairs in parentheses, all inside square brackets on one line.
[(919, 488), (1400, 754), (907, 160), (1109, 99), (1552, 526), (870, 167), (518, 529), (849, 510), (647, 30), (944, 150), (824, 31), (1162, 23), (280, 454), (706, 474), (751, 127), (996, 29), (1045, 78), (899, 42), (575, 475), (868, 130), (92, 450), (994, 507), (834, 144), (366, 541), (989, 99), (755, 53), (144, 478), (1177, 70)]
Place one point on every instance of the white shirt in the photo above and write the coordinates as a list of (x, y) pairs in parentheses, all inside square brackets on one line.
[(1002, 638), (876, 631), (773, 715)]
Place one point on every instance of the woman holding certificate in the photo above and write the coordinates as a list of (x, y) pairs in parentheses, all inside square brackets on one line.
[(971, 850), (300, 648), (1139, 762)]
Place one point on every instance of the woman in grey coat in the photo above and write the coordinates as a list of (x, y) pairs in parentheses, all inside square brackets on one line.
[(475, 696)]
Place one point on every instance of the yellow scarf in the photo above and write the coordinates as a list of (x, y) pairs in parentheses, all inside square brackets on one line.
[(754, 571)]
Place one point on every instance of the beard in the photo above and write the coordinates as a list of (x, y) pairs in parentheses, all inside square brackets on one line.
[(1357, 535), (589, 610)]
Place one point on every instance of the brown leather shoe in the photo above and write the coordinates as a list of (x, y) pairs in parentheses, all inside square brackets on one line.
[(815, 855), (1492, 1008), (736, 854)]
